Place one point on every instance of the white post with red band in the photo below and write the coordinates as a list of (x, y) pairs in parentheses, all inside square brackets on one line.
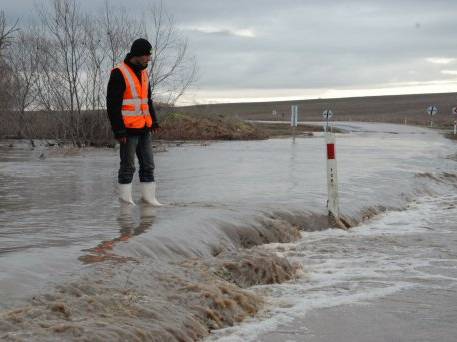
[(332, 177)]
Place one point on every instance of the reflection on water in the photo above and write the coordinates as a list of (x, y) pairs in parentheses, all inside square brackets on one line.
[(128, 229)]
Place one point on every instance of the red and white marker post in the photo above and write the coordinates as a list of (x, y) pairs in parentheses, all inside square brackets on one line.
[(332, 177), (333, 204)]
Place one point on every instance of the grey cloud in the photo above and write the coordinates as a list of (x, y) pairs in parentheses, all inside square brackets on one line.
[(367, 45), (309, 44)]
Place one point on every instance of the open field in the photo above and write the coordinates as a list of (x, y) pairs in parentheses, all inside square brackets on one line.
[(393, 109)]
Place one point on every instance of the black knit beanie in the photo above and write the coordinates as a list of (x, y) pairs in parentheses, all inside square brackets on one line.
[(141, 47)]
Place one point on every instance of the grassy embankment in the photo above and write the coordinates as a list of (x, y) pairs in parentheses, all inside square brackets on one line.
[(178, 126), (94, 128), (198, 126)]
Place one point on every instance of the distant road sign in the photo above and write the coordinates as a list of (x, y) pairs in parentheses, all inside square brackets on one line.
[(432, 110), (454, 110), (327, 114), (294, 116)]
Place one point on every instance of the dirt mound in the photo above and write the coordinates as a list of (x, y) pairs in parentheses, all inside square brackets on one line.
[(186, 127), (254, 267)]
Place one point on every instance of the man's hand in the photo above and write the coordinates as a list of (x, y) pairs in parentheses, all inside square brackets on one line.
[(155, 127), (122, 140)]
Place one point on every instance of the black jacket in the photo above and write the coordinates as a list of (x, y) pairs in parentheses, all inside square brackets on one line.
[(114, 97)]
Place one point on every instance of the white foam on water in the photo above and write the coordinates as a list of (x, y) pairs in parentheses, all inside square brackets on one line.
[(251, 329), (393, 252)]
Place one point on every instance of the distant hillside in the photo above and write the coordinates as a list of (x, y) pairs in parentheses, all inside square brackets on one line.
[(373, 108)]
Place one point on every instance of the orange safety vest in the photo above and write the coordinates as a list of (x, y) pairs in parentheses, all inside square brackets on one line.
[(135, 109)]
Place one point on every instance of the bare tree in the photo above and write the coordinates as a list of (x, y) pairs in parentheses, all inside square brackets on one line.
[(23, 56), (6, 86), (6, 32), (96, 76), (6, 77), (66, 55), (62, 66), (95, 73), (120, 31), (172, 69)]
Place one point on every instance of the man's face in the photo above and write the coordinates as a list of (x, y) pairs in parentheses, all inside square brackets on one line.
[(144, 60)]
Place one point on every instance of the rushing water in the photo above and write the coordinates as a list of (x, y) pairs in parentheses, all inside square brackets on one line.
[(59, 215), (411, 253)]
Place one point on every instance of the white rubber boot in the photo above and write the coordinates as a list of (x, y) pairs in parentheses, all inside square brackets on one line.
[(148, 194), (125, 193)]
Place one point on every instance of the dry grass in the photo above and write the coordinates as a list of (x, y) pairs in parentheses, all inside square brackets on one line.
[(91, 129), (94, 128), (176, 126)]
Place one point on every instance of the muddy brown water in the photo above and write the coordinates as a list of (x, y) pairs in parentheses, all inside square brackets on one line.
[(76, 265)]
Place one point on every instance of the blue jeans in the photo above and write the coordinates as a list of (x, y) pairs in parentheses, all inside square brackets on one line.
[(141, 145)]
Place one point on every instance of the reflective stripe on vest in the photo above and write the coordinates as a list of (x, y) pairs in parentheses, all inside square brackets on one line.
[(135, 102), (135, 108)]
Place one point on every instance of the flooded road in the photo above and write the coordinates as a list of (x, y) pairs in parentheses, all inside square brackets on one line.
[(393, 278), (60, 220)]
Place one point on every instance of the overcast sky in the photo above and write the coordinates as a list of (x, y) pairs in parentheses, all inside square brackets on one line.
[(290, 49)]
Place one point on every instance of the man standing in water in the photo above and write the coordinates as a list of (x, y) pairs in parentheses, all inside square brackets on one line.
[(133, 119)]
